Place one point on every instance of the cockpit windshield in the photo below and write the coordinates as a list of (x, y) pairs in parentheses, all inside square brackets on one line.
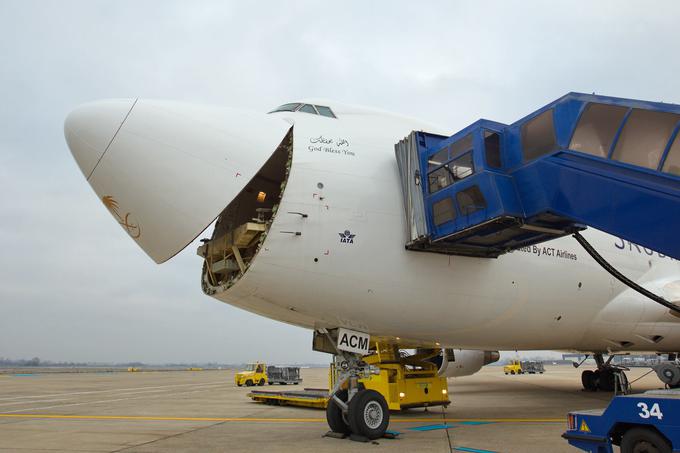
[(306, 108), (287, 107)]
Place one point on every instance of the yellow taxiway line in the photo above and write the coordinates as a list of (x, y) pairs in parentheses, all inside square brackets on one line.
[(273, 420)]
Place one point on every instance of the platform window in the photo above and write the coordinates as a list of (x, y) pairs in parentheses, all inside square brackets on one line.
[(443, 211), (462, 145), (538, 136), (439, 158), (470, 200), (439, 179), (492, 149), (672, 163), (644, 137), (596, 129), (461, 167), (307, 108), (325, 111)]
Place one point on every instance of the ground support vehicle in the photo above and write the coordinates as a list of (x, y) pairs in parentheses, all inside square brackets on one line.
[(524, 367), (384, 380), (401, 386), (514, 367), (646, 422), (259, 373), (533, 367), (254, 374), (283, 375)]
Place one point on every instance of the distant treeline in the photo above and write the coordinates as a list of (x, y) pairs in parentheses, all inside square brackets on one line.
[(37, 362)]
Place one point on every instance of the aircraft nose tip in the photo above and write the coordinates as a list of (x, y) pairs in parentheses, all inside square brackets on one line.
[(90, 128)]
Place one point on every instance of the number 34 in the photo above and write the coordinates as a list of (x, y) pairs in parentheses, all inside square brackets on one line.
[(646, 412)]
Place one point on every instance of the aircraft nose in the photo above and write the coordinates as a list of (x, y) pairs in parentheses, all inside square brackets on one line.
[(90, 129), (165, 170)]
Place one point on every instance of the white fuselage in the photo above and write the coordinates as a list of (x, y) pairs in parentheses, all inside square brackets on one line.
[(165, 170), (553, 296)]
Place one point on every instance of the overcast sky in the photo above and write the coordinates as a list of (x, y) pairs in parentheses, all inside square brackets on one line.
[(73, 286)]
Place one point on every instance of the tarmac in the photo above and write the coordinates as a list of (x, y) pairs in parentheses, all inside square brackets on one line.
[(204, 411)]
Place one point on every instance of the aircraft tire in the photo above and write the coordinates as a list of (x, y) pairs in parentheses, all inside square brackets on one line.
[(334, 414), (644, 439), (368, 414), (607, 380), (589, 380)]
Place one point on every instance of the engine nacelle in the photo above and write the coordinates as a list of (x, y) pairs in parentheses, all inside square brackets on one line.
[(464, 362)]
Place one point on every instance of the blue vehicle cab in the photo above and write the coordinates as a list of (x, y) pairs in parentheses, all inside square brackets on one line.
[(644, 423)]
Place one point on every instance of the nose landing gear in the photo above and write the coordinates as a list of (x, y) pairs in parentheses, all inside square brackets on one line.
[(355, 411)]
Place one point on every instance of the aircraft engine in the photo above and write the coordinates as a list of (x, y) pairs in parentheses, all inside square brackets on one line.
[(463, 362)]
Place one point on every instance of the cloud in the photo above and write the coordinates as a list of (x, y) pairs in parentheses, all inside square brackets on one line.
[(74, 287)]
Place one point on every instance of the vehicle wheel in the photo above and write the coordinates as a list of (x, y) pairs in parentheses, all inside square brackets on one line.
[(271, 383), (282, 383), (249, 383), (239, 384), (261, 383), (589, 380), (506, 374), (512, 372), (368, 414), (295, 383), (606, 381), (334, 414), (644, 440)]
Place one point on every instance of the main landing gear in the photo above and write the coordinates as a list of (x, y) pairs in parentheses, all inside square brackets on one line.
[(606, 378), (355, 411)]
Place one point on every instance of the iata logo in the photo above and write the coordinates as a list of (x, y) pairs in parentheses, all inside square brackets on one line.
[(125, 221), (347, 237)]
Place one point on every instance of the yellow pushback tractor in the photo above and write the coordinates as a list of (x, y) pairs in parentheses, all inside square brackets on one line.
[(254, 374), (404, 380)]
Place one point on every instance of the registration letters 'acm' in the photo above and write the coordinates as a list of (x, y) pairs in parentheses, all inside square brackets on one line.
[(351, 341)]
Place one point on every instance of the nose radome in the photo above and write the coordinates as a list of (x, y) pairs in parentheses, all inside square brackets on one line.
[(91, 127), (164, 169)]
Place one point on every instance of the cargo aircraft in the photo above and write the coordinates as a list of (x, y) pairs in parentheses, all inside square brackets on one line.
[(308, 228)]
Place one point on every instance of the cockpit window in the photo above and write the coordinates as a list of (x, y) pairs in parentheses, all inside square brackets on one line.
[(287, 107), (307, 108), (325, 111)]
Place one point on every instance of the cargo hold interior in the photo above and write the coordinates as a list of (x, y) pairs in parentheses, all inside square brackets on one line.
[(242, 226)]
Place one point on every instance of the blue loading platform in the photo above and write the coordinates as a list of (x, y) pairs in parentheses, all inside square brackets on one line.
[(582, 160)]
